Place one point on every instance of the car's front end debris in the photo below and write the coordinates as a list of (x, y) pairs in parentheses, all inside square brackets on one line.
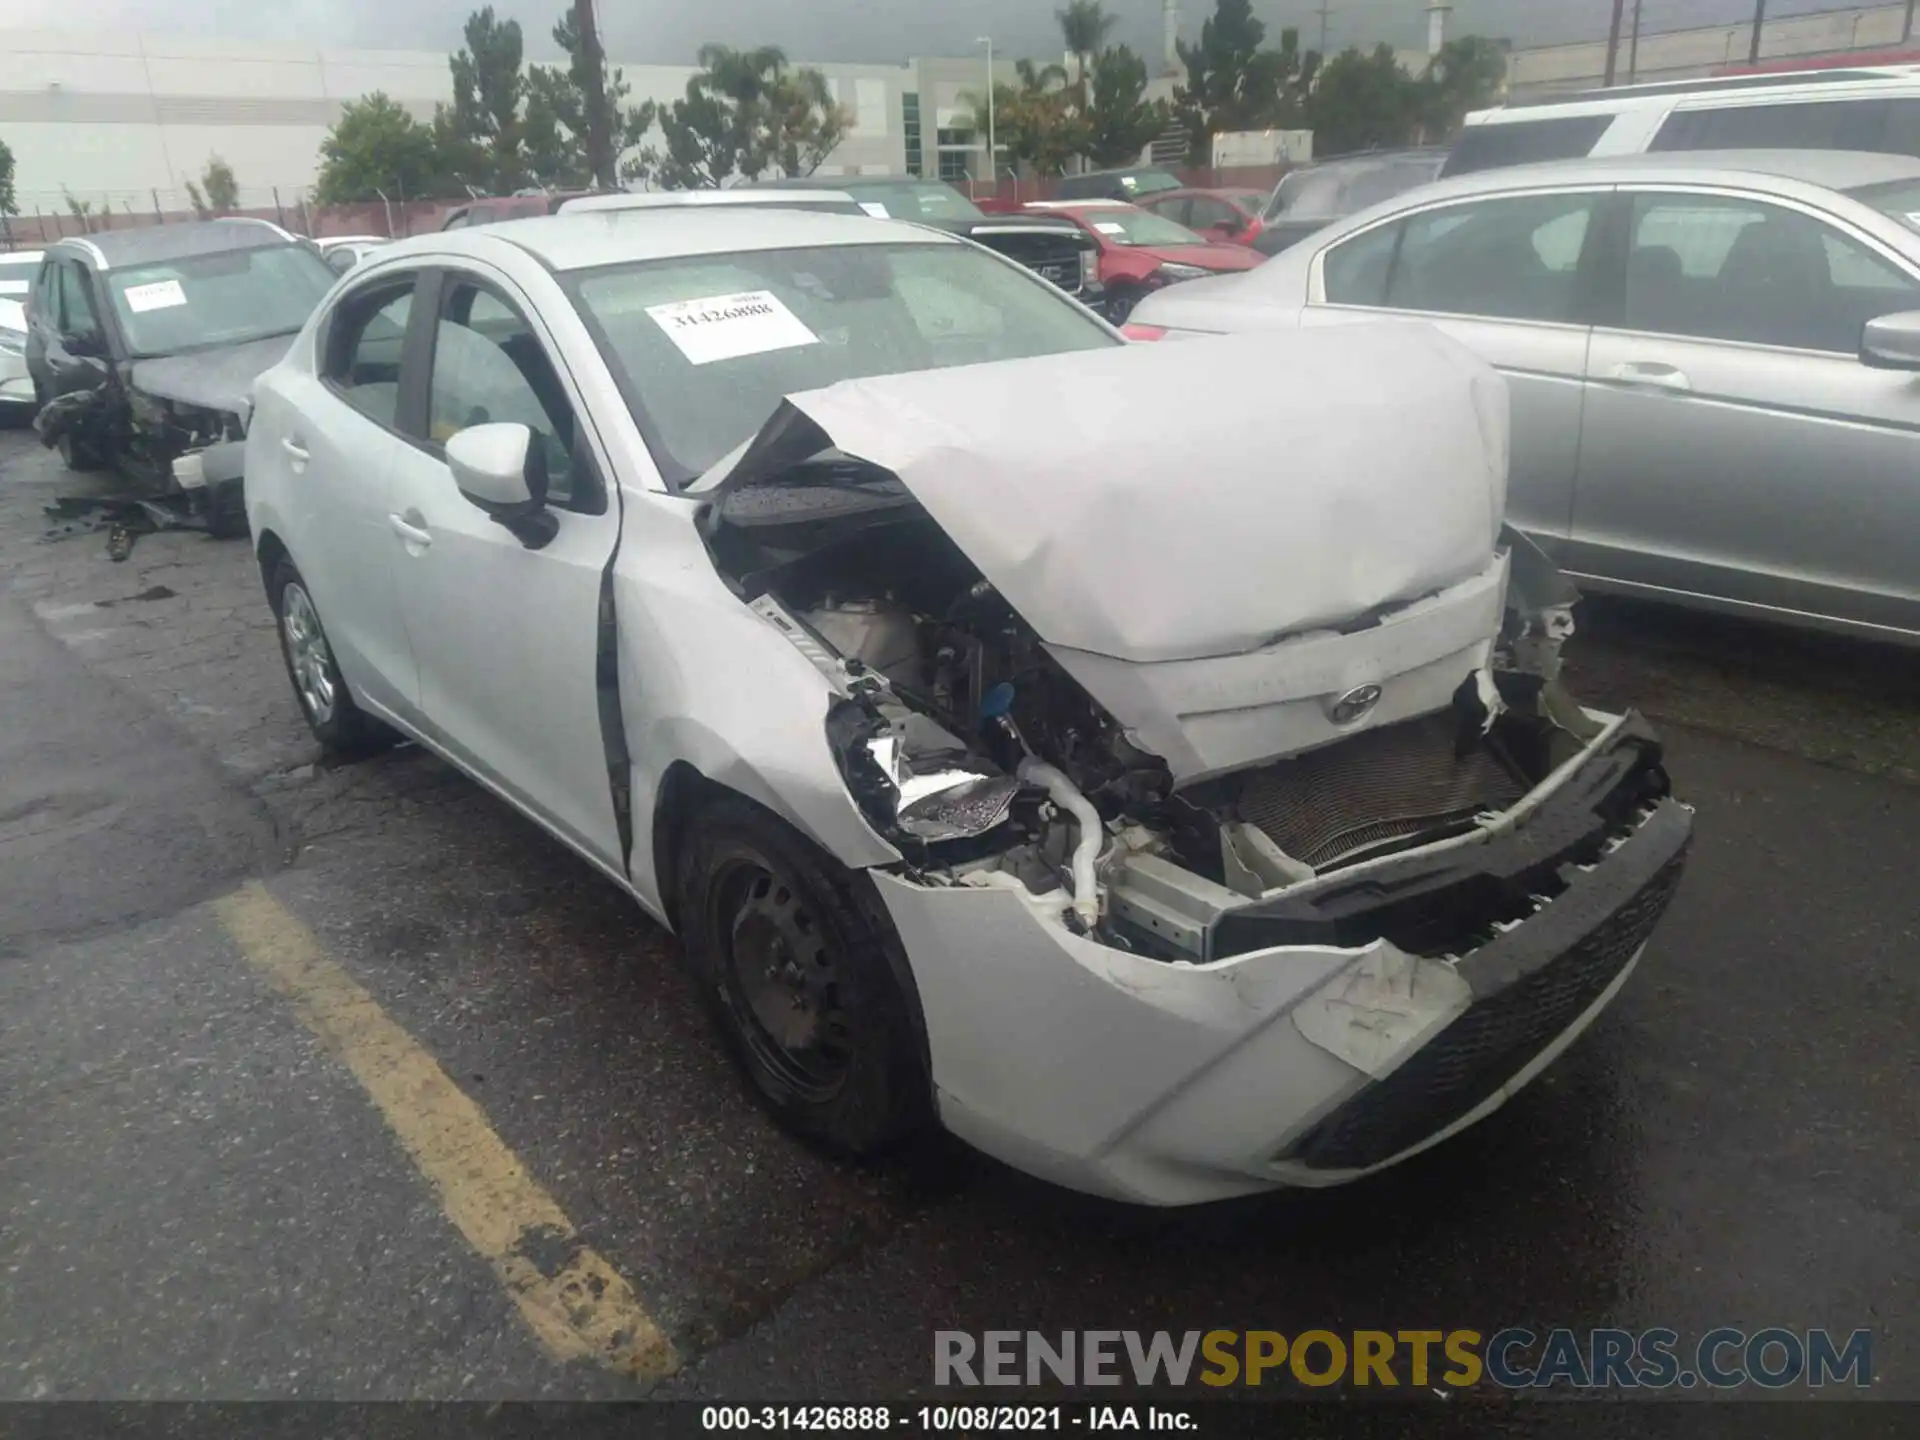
[(1247, 835)]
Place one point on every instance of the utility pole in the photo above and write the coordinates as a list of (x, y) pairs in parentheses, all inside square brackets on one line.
[(1325, 7), (993, 156), (1633, 46), (1759, 19), (1613, 39), (1906, 27), (593, 85)]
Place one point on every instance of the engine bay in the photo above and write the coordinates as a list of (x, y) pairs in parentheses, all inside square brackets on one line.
[(970, 747)]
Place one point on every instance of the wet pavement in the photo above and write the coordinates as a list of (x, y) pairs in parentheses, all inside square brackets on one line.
[(203, 1193)]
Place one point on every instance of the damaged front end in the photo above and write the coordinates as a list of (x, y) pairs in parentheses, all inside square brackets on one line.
[(1222, 881)]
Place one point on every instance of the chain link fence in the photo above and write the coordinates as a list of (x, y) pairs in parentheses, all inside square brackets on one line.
[(45, 217)]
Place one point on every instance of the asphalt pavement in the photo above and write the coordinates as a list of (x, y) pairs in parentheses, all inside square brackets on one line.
[(322, 1082)]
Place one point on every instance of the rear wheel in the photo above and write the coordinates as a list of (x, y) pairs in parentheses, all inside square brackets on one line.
[(798, 962), (76, 454), (226, 510), (1120, 304), (340, 726)]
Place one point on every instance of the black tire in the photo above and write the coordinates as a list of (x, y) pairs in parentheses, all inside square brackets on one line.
[(1121, 302), (341, 727), (767, 922), (226, 510)]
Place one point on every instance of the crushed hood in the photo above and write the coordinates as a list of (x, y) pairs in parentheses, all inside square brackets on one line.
[(218, 379), (1177, 502)]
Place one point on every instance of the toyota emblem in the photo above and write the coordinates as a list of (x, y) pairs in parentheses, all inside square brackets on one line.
[(1356, 704)]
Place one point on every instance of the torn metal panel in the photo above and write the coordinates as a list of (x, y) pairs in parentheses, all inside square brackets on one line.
[(215, 379)]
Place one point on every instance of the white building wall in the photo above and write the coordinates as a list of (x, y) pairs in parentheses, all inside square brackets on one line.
[(123, 121)]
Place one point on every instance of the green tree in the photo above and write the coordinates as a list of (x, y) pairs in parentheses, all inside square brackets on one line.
[(1084, 26), (376, 146), (1234, 84), (1034, 122), (1121, 121), (195, 197), (480, 133), (9, 204), (1466, 75), (222, 189), (82, 210), (554, 127), (744, 113), (1362, 101)]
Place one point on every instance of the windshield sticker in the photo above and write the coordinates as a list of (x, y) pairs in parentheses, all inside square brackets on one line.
[(1108, 227), (725, 327), (160, 295), (875, 209)]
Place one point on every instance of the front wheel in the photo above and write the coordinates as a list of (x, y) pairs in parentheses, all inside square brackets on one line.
[(76, 455), (800, 967), (340, 725), (226, 510), (1120, 305)]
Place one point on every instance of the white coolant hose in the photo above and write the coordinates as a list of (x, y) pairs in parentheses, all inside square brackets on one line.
[(1065, 794)]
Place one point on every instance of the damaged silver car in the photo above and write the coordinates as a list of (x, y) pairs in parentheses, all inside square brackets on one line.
[(1150, 763), (143, 345)]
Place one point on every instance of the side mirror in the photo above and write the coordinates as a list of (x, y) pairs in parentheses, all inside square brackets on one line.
[(1892, 342), (501, 469)]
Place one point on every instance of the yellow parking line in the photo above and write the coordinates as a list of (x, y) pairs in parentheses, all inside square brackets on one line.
[(577, 1304)]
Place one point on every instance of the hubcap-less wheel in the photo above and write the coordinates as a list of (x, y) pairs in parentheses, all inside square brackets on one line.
[(307, 652), (781, 980)]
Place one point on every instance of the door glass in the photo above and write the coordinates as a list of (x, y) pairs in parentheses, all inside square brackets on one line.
[(77, 317), (489, 367), (1524, 142), (364, 339), (1722, 268), (1515, 258), (1355, 271), (1205, 214)]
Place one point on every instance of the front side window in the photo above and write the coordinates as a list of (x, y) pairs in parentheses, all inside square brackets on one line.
[(77, 316), (1511, 259), (1725, 268), (364, 338), (490, 367), (706, 347), (227, 297)]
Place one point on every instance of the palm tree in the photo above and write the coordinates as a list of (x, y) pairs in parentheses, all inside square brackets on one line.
[(1084, 25)]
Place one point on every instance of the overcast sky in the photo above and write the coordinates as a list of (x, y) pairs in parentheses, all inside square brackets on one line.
[(669, 31)]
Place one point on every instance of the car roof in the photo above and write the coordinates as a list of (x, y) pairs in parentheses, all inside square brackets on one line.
[(1830, 169), (1862, 80), (148, 244), (1092, 202), (672, 199), (582, 241)]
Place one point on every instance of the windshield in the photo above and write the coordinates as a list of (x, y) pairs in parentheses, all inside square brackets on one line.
[(1148, 182), (1124, 225), (225, 298), (1898, 198), (705, 347), (914, 202), (1334, 191)]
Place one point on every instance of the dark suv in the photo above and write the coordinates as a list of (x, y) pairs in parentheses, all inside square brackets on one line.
[(1128, 184), (1314, 196)]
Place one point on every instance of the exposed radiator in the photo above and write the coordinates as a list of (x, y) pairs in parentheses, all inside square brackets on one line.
[(1384, 785)]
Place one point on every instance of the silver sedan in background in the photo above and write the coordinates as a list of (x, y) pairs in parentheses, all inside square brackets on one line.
[(1711, 359)]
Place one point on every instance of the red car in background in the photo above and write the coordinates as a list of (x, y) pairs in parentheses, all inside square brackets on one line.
[(1228, 215), (1140, 252)]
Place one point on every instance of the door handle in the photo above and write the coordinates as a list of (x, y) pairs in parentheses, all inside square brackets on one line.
[(1652, 374), (296, 452), (409, 532)]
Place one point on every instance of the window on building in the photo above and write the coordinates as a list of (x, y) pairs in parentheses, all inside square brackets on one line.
[(910, 122), (956, 153)]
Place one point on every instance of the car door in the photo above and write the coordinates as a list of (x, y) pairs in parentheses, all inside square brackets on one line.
[(1733, 446), (67, 333), (507, 638), (1510, 277), (327, 437)]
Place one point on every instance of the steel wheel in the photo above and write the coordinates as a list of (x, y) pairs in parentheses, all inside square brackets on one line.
[(781, 979), (307, 653)]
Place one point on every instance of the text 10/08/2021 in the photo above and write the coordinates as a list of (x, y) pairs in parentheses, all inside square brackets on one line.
[(939, 1419)]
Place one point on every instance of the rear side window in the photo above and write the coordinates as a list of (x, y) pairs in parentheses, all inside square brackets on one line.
[(1889, 126), (1523, 142)]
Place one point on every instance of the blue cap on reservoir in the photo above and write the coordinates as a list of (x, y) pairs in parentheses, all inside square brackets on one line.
[(997, 701)]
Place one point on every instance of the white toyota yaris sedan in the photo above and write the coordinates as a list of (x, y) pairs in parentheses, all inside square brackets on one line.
[(1148, 762)]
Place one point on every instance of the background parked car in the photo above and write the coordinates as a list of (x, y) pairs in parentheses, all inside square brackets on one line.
[(829, 202), (1314, 196), (1052, 247), (1706, 356), (1229, 216), (488, 209), (17, 269), (143, 345), (1141, 251), (343, 252), (1127, 184)]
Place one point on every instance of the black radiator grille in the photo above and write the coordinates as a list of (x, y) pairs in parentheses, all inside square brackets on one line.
[(1383, 785)]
